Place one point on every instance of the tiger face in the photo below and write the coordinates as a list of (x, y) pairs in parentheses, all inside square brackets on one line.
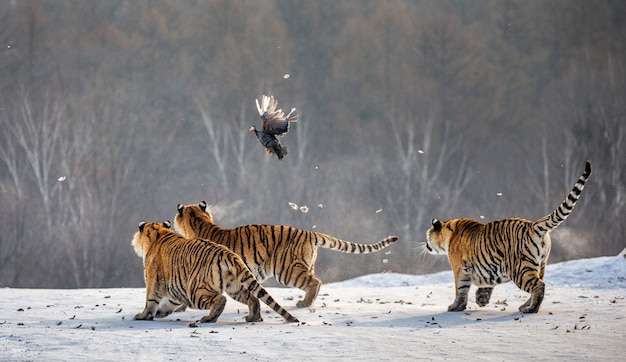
[(439, 235)]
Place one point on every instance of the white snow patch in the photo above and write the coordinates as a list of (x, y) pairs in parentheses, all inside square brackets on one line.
[(372, 317)]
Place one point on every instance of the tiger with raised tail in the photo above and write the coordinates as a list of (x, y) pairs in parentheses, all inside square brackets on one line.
[(500, 251), (286, 253), (194, 273)]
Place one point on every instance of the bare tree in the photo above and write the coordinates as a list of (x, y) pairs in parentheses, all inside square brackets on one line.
[(240, 141), (9, 154), (12, 195), (28, 152), (38, 136), (541, 188), (423, 166), (590, 125), (227, 144), (424, 178), (217, 145)]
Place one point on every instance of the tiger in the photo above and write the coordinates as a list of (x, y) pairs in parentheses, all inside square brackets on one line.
[(286, 253), (500, 251), (194, 273)]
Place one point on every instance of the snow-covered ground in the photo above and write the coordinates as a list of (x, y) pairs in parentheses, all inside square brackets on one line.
[(374, 317)]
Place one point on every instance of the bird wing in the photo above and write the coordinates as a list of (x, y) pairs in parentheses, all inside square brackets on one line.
[(274, 120)]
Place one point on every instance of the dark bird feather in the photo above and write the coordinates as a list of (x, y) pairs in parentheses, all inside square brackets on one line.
[(275, 123)]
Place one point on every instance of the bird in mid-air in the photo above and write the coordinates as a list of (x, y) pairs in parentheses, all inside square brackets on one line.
[(275, 123)]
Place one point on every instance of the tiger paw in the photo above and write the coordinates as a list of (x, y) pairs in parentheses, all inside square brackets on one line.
[(527, 308), (208, 319), (457, 307), (483, 295), (303, 304), (255, 318), (143, 316), (162, 314)]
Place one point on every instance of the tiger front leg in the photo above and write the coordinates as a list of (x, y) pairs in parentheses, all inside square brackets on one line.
[(150, 311), (462, 284)]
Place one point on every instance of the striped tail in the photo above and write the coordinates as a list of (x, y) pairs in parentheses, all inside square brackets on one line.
[(329, 242), (258, 291), (561, 213)]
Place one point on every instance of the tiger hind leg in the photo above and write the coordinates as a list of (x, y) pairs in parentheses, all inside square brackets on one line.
[(216, 306), (311, 286), (483, 295), (534, 302), (254, 306), (532, 282)]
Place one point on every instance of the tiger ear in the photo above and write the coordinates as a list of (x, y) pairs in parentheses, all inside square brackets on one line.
[(180, 208), (202, 205), (141, 225), (167, 224), (436, 224)]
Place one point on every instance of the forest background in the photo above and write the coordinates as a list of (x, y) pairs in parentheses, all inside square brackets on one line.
[(116, 111)]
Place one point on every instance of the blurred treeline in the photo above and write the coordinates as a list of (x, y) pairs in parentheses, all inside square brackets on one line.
[(115, 111)]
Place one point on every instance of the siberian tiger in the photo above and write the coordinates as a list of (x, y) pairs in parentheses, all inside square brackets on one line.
[(283, 252), (510, 249), (194, 273)]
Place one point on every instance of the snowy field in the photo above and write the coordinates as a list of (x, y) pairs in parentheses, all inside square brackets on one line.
[(374, 317)]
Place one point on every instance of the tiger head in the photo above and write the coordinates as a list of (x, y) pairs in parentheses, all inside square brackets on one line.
[(188, 215), (455, 234), (438, 236), (148, 233)]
